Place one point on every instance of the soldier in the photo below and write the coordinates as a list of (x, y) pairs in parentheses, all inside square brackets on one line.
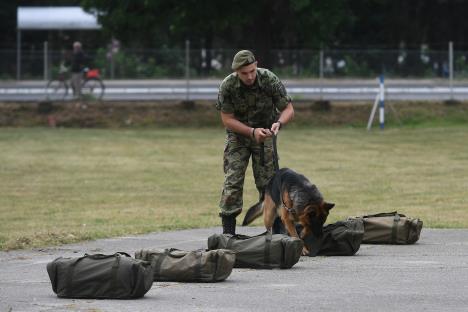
[(254, 105)]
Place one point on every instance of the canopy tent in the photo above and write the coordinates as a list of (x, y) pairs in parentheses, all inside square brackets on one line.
[(36, 18), (51, 18)]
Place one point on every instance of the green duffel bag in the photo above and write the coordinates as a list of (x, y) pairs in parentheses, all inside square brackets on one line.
[(342, 238), (390, 228), (99, 276), (173, 265), (264, 251)]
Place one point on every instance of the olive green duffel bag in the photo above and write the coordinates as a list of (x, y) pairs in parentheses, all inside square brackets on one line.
[(264, 251), (173, 265), (342, 238), (390, 228), (99, 276)]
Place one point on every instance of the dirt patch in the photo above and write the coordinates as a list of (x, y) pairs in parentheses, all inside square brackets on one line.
[(203, 114)]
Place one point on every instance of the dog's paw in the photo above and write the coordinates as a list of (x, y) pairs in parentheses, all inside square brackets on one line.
[(305, 251)]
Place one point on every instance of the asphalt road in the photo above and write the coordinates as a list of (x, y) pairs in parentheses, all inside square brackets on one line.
[(431, 275), (338, 90)]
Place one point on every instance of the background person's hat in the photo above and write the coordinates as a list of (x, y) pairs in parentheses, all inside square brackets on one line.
[(242, 58)]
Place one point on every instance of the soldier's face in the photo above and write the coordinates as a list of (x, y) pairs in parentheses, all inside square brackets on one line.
[(248, 73)]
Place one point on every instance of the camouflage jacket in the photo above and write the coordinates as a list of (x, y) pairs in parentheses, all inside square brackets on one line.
[(256, 106)]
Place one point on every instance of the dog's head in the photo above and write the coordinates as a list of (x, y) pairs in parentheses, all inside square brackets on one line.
[(314, 217)]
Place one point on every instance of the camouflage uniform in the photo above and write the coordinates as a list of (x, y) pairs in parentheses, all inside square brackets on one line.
[(258, 107)]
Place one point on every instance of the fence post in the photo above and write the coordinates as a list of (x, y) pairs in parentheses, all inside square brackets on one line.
[(321, 74), (46, 60), (451, 68), (114, 47), (187, 69), (112, 76), (18, 54), (381, 103), (321, 64)]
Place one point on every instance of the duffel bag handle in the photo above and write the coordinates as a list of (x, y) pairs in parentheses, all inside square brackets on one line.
[(183, 253), (69, 279), (382, 214), (172, 252), (243, 237), (103, 256)]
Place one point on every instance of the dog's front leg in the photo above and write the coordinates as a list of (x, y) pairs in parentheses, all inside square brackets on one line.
[(304, 233), (291, 228), (288, 223)]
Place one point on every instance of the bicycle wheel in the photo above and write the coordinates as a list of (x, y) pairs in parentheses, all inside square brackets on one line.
[(92, 88), (56, 90)]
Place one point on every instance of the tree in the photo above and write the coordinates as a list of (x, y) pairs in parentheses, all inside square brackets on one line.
[(387, 23), (264, 25), (261, 26)]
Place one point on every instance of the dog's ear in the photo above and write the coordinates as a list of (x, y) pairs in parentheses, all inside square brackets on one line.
[(328, 206)]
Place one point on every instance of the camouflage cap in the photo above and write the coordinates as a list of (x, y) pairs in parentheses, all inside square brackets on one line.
[(242, 58)]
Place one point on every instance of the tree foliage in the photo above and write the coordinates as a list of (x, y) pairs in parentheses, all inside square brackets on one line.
[(269, 24), (282, 23), (261, 25)]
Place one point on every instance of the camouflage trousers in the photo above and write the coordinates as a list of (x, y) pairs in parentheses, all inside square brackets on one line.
[(237, 152)]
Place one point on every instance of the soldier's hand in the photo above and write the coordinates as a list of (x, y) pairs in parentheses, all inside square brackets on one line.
[(261, 134), (275, 127)]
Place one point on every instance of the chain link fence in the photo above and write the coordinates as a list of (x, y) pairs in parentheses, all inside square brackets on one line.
[(288, 64)]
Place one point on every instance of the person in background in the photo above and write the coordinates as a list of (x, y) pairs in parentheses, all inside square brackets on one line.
[(77, 65)]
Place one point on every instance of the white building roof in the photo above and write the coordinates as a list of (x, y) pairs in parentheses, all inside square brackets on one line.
[(37, 18)]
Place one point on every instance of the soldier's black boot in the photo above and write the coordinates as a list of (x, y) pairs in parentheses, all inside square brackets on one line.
[(229, 225)]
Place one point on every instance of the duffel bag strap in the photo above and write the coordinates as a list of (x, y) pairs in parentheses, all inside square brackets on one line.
[(114, 272), (230, 241), (158, 263), (198, 266), (266, 255), (69, 281), (396, 220), (214, 260)]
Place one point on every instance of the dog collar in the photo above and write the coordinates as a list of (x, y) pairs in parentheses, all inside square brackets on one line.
[(289, 210)]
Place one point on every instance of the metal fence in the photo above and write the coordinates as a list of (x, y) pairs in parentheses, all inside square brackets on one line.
[(172, 63)]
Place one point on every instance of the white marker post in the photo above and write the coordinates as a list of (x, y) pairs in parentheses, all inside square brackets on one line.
[(381, 103)]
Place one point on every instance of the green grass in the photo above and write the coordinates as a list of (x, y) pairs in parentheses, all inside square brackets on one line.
[(66, 185)]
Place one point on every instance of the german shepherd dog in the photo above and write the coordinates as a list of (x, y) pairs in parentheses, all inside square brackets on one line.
[(293, 198)]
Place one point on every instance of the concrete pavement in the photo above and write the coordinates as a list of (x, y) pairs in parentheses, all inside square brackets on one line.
[(431, 275)]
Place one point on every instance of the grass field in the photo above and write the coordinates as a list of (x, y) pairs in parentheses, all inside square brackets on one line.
[(65, 185)]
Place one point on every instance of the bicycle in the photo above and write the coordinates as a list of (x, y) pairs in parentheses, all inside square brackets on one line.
[(92, 86)]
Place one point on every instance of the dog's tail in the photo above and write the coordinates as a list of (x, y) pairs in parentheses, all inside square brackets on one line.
[(253, 213)]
